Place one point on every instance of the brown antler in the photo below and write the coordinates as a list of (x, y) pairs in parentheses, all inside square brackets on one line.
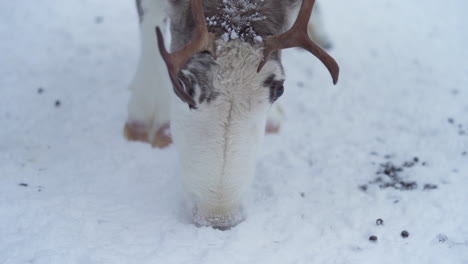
[(297, 36), (201, 40)]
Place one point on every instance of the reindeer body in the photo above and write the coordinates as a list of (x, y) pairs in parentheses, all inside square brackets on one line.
[(217, 137)]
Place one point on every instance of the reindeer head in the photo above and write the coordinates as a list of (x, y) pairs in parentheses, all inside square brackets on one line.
[(227, 68)]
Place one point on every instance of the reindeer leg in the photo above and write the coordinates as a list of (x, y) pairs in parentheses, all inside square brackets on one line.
[(275, 119), (149, 107)]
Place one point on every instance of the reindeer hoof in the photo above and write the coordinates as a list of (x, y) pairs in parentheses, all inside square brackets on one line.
[(140, 132), (163, 137), (272, 128), (136, 132)]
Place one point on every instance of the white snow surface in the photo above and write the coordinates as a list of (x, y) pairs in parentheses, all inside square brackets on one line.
[(92, 197)]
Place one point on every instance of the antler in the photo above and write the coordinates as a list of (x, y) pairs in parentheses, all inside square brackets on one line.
[(297, 36), (201, 40)]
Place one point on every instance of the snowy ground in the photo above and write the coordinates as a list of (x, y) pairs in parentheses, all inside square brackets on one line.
[(72, 190)]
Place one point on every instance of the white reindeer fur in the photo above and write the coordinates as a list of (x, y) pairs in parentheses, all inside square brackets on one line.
[(217, 143), (151, 88)]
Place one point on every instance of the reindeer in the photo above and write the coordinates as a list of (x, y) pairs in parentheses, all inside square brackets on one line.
[(226, 73)]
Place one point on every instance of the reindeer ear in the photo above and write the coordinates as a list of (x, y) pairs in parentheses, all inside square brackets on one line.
[(298, 36), (201, 41), (291, 13), (179, 2)]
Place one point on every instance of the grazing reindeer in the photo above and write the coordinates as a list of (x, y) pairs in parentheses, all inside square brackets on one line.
[(226, 73)]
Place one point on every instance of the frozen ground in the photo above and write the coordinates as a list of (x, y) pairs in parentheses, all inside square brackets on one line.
[(91, 197)]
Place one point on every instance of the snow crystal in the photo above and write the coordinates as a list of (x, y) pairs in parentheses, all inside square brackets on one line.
[(235, 18)]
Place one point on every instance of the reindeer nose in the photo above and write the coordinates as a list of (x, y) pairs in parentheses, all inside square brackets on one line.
[(222, 218)]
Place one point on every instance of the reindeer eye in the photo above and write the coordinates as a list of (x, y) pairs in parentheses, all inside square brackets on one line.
[(276, 87), (276, 92)]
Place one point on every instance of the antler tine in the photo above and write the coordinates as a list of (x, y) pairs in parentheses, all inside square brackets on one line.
[(201, 40), (297, 36)]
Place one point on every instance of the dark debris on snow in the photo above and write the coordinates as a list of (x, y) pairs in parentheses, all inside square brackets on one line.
[(391, 175)]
